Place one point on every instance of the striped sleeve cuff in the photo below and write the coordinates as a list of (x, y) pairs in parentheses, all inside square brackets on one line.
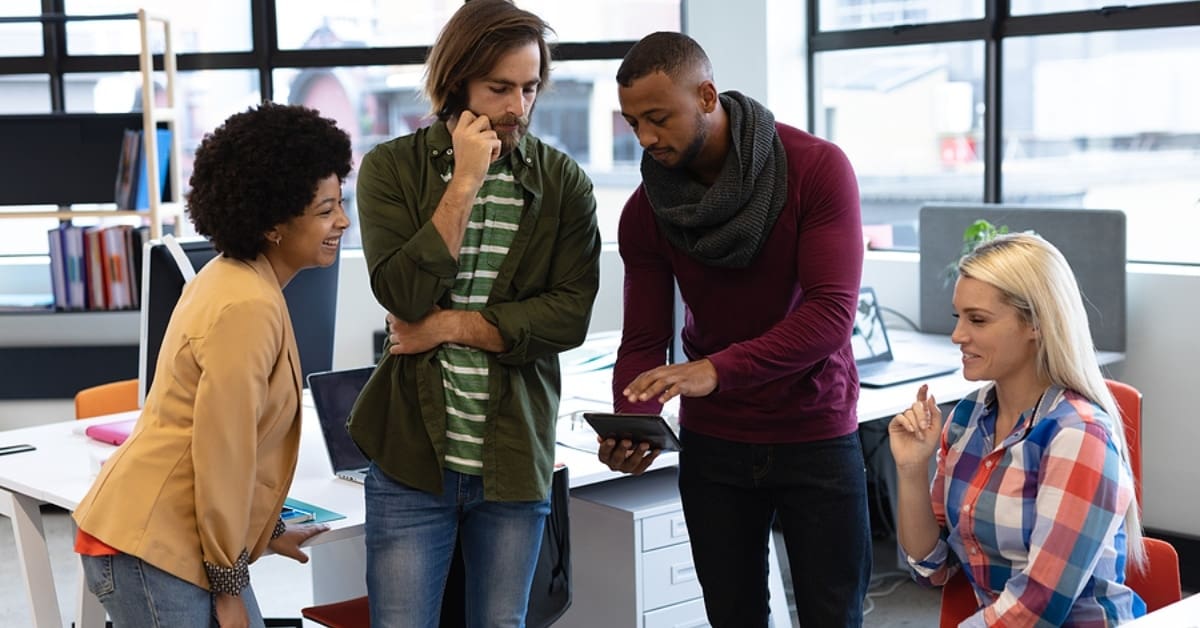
[(229, 580), (936, 559)]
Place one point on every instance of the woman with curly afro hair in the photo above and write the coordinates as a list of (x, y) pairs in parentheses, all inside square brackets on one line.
[(178, 512)]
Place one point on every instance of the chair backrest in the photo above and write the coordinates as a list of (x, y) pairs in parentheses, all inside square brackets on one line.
[(106, 399), (1129, 400), (1158, 585)]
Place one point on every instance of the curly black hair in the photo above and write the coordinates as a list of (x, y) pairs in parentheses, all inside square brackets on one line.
[(259, 169)]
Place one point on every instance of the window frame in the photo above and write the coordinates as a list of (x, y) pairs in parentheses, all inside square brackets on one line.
[(993, 29)]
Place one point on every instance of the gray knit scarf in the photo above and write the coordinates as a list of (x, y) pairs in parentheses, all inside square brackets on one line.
[(726, 224)]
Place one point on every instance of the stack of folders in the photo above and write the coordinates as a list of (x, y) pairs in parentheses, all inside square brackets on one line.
[(96, 268), (132, 188)]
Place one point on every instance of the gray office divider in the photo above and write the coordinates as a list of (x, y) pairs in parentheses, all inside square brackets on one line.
[(1093, 241)]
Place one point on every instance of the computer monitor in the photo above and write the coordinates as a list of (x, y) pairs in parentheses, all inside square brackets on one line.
[(62, 158), (311, 297)]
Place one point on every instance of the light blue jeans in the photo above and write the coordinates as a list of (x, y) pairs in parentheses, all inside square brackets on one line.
[(136, 594), (410, 537)]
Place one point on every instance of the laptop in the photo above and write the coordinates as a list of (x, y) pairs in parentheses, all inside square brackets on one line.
[(334, 393), (877, 368), (113, 433)]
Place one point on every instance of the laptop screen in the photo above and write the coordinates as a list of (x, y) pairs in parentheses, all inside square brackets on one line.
[(334, 394), (869, 338)]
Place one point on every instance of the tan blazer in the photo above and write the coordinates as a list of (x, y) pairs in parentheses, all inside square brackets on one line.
[(204, 474)]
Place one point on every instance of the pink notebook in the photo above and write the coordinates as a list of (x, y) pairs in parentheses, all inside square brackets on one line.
[(114, 433)]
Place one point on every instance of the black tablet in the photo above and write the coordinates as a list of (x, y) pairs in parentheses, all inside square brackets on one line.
[(639, 428)]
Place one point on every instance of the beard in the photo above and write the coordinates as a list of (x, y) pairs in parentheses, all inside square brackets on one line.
[(688, 155), (509, 140)]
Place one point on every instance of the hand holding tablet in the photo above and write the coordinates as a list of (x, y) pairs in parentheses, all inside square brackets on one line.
[(637, 428)]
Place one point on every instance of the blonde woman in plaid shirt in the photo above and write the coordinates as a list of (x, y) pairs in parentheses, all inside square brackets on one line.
[(1033, 494)]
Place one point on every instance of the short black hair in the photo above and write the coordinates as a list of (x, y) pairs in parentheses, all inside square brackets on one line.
[(667, 52), (259, 169)]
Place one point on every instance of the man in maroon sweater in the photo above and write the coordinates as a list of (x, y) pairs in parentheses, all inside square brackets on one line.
[(759, 225)]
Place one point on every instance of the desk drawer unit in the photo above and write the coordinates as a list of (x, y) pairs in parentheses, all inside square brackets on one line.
[(630, 557)]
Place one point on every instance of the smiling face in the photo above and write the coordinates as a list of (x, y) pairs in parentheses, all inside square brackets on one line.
[(997, 343), (668, 118), (313, 237), (507, 94)]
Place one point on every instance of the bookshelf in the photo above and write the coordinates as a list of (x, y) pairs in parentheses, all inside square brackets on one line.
[(152, 116), (104, 345)]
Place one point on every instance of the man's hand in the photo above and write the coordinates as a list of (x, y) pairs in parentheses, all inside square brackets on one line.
[(690, 379), (476, 146), (288, 543), (625, 457), (414, 338)]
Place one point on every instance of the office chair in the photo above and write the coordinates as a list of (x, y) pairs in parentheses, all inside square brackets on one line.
[(1158, 586), (1129, 400), (549, 596), (106, 399), (1154, 586)]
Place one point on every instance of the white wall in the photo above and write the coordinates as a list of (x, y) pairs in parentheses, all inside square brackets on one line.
[(1159, 361)]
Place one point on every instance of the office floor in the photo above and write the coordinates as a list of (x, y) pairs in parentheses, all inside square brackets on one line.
[(895, 601)]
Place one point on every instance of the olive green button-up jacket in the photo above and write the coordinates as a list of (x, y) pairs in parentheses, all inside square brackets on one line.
[(541, 302)]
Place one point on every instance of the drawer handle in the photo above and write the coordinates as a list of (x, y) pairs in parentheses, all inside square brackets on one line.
[(678, 528), (695, 623), (683, 572)]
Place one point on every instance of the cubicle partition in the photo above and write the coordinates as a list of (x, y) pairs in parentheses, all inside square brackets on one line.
[(1092, 240)]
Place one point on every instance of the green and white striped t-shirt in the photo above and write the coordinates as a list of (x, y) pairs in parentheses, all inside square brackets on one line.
[(495, 217)]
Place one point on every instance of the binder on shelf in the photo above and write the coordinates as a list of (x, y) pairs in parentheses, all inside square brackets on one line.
[(76, 283), (126, 173), (143, 186), (93, 251), (132, 187), (116, 267), (58, 270)]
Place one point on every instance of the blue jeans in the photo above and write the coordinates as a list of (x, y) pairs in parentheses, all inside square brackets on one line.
[(410, 537), (135, 594), (731, 494)]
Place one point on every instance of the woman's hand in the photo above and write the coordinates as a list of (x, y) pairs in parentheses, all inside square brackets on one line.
[(288, 544), (915, 433), (231, 611)]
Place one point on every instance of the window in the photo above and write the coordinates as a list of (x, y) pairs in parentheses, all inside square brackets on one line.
[(358, 61), (1068, 103)]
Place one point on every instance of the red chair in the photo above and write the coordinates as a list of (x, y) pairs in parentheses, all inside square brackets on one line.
[(348, 614), (1129, 401), (1158, 586)]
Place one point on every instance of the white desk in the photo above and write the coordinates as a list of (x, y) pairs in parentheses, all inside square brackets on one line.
[(1182, 614), (60, 472)]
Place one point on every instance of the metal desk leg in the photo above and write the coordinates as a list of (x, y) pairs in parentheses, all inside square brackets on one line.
[(33, 556)]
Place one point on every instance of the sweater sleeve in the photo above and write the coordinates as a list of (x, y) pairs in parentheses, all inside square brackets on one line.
[(648, 303), (236, 356)]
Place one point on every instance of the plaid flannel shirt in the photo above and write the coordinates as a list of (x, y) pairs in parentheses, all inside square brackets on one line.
[(1038, 521)]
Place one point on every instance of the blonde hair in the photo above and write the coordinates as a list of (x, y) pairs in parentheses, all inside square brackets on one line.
[(470, 45), (1036, 279)]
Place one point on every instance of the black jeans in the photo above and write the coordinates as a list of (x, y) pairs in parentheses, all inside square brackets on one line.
[(731, 494)]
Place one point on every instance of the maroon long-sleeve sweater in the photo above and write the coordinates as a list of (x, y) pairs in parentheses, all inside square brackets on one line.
[(777, 331)]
